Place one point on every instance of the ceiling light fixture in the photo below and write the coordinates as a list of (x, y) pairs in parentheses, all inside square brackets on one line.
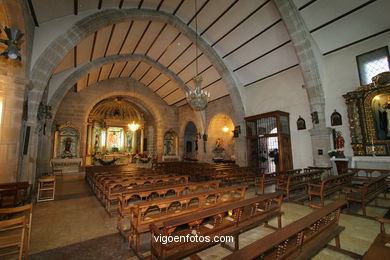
[(13, 35), (197, 98), (225, 128), (133, 126)]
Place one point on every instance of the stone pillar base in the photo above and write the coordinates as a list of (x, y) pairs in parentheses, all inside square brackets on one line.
[(320, 140)]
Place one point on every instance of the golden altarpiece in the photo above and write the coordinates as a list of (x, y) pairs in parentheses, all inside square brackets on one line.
[(108, 134), (369, 117)]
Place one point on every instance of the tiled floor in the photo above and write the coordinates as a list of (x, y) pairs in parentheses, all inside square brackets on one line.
[(76, 222)]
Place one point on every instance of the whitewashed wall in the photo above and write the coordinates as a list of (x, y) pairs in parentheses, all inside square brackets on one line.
[(284, 92)]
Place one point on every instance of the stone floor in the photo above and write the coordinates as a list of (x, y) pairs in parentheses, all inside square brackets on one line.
[(76, 226)]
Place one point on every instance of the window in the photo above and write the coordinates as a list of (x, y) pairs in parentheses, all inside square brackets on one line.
[(372, 63)]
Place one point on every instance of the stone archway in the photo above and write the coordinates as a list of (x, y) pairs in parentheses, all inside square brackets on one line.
[(191, 141)]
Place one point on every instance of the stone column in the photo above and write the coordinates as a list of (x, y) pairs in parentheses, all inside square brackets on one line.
[(142, 141), (134, 143), (89, 139), (310, 61), (12, 93)]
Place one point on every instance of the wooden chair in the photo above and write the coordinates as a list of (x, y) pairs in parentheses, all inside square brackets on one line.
[(26, 211), (12, 233), (46, 188)]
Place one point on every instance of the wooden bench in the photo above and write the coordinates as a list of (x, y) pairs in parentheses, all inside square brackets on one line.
[(230, 219), (126, 199), (158, 211), (13, 194), (289, 182), (379, 249), (114, 190), (328, 187), (273, 178), (368, 192), (302, 239), (362, 175)]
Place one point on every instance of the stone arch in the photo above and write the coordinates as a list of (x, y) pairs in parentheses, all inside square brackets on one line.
[(56, 51), (82, 71), (190, 140)]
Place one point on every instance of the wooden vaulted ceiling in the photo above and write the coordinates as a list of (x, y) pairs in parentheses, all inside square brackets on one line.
[(248, 35)]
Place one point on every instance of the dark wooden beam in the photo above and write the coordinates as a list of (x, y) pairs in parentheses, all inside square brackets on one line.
[(125, 39), (32, 11), (273, 74), (241, 22), (252, 38), (112, 67), (306, 5), (342, 16), (219, 17), (140, 4), (198, 11), (120, 74), (159, 5), (358, 41), (75, 7), (142, 36), (178, 7), (162, 86), (261, 56), (75, 56), (109, 39), (93, 45), (100, 4), (121, 4)]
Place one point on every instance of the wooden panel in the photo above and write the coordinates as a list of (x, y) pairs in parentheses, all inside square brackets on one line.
[(82, 83), (105, 71), (158, 82), (67, 62), (128, 69), (130, 4), (178, 46), (149, 37), (84, 49), (101, 42), (117, 38), (141, 69), (167, 88), (135, 34), (162, 42), (152, 73), (93, 75), (176, 96), (117, 69)]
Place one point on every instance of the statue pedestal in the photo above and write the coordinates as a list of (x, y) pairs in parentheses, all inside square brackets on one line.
[(170, 158), (67, 165), (339, 165)]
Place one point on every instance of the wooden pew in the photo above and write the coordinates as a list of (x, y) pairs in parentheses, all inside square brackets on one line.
[(378, 249), (126, 199), (230, 219), (273, 178), (368, 192), (13, 194), (328, 187), (158, 211), (362, 175), (113, 190), (292, 182), (302, 239)]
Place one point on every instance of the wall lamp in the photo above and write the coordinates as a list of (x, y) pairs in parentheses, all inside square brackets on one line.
[(13, 35)]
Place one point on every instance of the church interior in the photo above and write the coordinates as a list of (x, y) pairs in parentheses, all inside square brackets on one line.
[(259, 127)]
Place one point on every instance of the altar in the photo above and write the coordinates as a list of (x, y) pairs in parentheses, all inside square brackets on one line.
[(67, 165), (371, 162)]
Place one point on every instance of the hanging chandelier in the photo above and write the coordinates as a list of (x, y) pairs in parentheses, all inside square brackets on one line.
[(197, 98), (133, 126)]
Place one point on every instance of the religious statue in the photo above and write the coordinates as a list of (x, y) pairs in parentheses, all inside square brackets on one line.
[(384, 118), (219, 149), (340, 144), (67, 148)]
